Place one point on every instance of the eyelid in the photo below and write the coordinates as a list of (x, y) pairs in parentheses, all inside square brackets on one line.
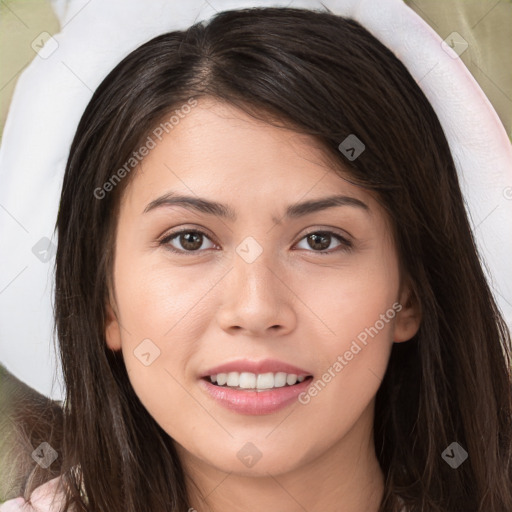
[(166, 237), (333, 231), (346, 242)]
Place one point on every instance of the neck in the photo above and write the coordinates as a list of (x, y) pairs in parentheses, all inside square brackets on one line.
[(344, 476)]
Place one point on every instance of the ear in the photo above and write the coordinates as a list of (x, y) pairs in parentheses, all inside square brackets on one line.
[(112, 329), (408, 318)]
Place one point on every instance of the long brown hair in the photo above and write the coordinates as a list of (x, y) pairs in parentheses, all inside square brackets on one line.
[(328, 77)]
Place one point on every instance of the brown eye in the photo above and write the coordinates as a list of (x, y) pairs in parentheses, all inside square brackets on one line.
[(320, 242), (189, 240)]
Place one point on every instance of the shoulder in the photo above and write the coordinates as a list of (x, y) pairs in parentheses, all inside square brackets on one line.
[(48, 497)]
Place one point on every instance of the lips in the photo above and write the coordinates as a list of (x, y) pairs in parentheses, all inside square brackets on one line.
[(255, 401), (252, 402), (256, 367)]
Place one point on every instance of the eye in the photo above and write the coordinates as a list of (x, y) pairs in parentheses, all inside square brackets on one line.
[(190, 240), (322, 240)]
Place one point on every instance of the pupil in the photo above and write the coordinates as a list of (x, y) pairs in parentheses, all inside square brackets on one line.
[(188, 244), (314, 238)]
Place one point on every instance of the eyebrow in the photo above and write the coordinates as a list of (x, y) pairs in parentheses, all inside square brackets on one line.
[(293, 211)]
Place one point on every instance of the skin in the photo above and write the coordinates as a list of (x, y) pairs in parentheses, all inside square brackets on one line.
[(209, 306)]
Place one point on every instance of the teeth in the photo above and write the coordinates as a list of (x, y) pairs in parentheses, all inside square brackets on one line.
[(233, 379), (289, 379), (247, 380), (266, 381), (279, 379)]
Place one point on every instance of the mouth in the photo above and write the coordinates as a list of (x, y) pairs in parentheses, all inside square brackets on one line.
[(252, 387), (247, 381), (255, 394)]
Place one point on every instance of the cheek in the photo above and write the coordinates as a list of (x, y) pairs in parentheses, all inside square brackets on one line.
[(156, 298), (159, 315), (162, 314), (352, 297), (355, 315)]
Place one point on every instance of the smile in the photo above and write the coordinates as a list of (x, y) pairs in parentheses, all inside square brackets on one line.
[(248, 380)]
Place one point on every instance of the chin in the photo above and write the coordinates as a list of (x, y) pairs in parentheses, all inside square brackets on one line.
[(248, 460)]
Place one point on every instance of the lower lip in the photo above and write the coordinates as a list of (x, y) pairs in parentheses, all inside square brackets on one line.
[(255, 402)]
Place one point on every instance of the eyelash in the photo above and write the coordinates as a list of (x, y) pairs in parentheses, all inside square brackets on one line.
[(346, 245)]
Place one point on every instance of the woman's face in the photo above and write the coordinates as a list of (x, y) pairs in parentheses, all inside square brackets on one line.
[(254, 287)]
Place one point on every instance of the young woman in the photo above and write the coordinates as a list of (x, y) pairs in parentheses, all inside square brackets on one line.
[(268, 295)]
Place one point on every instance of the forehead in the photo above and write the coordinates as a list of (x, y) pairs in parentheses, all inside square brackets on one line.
[(219, 151)]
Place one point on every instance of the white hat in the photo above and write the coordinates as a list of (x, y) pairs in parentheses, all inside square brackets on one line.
[(54, 89)]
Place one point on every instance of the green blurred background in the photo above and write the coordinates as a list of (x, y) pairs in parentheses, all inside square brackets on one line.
[(485, 24)]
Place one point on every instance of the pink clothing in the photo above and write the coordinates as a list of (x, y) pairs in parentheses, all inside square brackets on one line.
[(48, 497)]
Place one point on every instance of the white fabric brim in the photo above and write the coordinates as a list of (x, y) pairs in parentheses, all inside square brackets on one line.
[(53, 91)]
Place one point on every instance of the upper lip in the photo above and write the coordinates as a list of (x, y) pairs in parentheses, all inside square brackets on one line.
[(263, 366)]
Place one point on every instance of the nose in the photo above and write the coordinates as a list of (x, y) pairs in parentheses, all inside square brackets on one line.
[(257, 299)]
